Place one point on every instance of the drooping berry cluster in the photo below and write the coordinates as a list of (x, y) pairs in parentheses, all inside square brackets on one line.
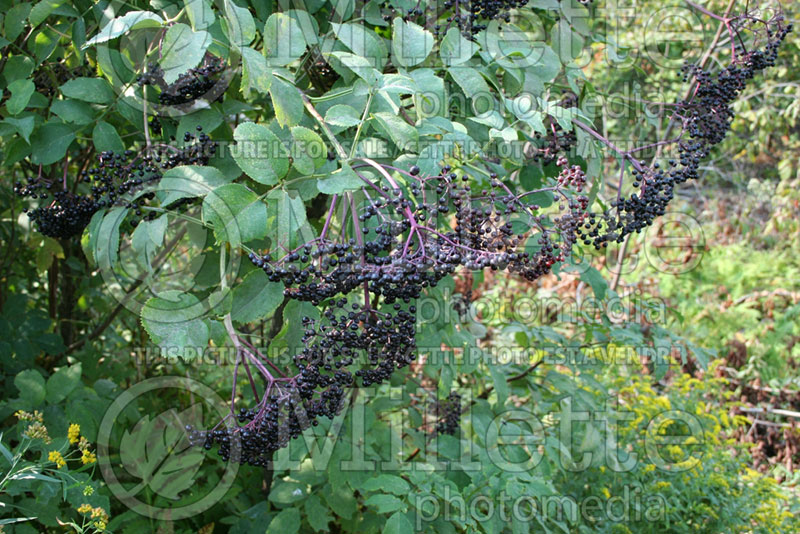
[(706, 117), (449, 415), (404, 232), (410, 14), (479, 12), (473, 16), (66, 216), (549, 147), (470, 16), (110, 182), (405, 238), (195, 83)]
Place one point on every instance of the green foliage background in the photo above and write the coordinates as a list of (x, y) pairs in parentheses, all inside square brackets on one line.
[(68, 349)]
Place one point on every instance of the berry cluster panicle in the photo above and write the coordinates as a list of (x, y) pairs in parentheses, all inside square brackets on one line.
[(706, 116), (191, 85), (110, 182), (449, 415), (549, 147), (405, 239), (404, 232)]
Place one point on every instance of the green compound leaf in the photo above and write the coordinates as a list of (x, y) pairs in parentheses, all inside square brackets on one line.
[(156, 452), (343, 116), (121, 25), (93, 90), (105, 137), (200, 13), (287, 102), (402, 134), (182, 49), (241, 26), (344, 179), (173, 321), (21, 93), (236, 214), (255, 297), (289, 213), (398, 523), (385, 503), (259, 153), (286, 522), (255, 72), (308, 150), (387, 483), (411, 43), (189, 181), (284, 40), (455, 49), (49, 143)]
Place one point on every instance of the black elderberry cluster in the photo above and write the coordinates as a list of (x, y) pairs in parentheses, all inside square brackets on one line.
[(449, 415), (259, 432), (406, 240), (110, 182), (706, 117), (154, 123), (549, 147), (410, 14), (472, 16), (66, 216), (191, 85)]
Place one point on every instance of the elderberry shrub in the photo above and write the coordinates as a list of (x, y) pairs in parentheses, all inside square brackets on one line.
[(115, 176), (191, 85), (706, 117), (449, 415), (407, 239), (366, 285)]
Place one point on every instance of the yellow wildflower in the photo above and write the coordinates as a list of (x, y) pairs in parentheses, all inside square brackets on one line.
[(674, 450), (97, 514), (88, 457), (606, 493), (83, 444), (73, 433), (725, 420), (56, 457)]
